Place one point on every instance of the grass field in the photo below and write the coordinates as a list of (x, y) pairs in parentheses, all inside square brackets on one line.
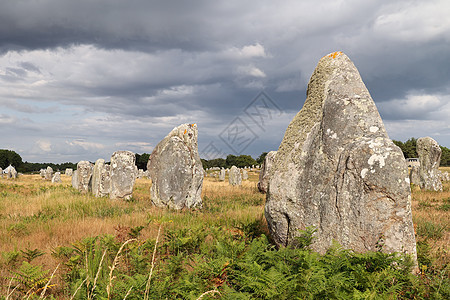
[(110, 249)]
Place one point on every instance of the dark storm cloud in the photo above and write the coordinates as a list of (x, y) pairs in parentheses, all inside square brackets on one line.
[(134, 24)]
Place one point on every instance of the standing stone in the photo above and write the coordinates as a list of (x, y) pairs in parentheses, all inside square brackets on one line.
[(123, 174), (68, 172), (100, 180), (244, 174), (445, 176), (42, 173), (176, 169), (49, 173), (263, 182), (75, 180), (1, 173), (337, 170), (234, 178), (429, 158), (83, 176), (414, 177), (56, 177), (222, 175)]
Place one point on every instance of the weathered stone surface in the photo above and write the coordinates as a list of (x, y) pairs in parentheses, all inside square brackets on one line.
[(337, 170), (56, 177), (81, 179), (176, 169), (429, 157), (68, 172), (101, 180), (414, 177), (222, 175), (75, 179), (445, 176), (10, 172), (235, 178), (263, 182), (42, 173), (244, 174), (49, 173), (123, 174)]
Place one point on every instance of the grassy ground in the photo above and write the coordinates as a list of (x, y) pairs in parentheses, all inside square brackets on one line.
[(47, 224)]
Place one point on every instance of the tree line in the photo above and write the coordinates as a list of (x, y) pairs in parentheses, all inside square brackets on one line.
[(9, 157)]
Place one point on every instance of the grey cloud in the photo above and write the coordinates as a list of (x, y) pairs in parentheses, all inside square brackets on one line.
[(118, 72)]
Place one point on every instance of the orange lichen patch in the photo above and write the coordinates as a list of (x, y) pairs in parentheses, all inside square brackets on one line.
[(185, 131), (334, 54)]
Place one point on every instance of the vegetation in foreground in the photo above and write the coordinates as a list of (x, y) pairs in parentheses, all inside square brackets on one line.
[(56, 243)]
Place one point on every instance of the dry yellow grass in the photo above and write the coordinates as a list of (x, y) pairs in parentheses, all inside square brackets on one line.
[(36, 214)]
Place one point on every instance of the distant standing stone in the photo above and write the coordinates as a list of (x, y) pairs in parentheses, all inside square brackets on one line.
[(49, 173), (68, 172), (337, 170), (176, 169), (264, 174), (222, 175), (244, 174), (429, 158), (123, 174), (42, 173), (83, 176), (75, 183), (56, 177), (235, 178), (414, 177), (100, 180)]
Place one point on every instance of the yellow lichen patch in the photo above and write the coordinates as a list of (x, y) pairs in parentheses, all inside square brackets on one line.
[(334, 54)]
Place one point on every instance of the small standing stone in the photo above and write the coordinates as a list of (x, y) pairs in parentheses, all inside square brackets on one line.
[(176, 169), (56, 177), (414, 177), (244, 174), (429, 158), (68, 172), (75, 183), (234, 178), (222, 175), (49, 173), (100, 180), (83, 176), (123, 174)]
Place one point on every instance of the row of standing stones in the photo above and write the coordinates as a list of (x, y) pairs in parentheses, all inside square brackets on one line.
[(9, 172), (115, 180), (336, 170)]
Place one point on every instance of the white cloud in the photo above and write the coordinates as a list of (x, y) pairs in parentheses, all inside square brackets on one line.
[(251, 71), (417, 21), (44, 145), (86, 145), (413, 106), (256, 50)]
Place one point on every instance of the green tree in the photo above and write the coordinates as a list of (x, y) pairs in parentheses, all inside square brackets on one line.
[(9, 157), (445, 157), (261, 158), (410, 148), (240, 161), (142, 160)]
